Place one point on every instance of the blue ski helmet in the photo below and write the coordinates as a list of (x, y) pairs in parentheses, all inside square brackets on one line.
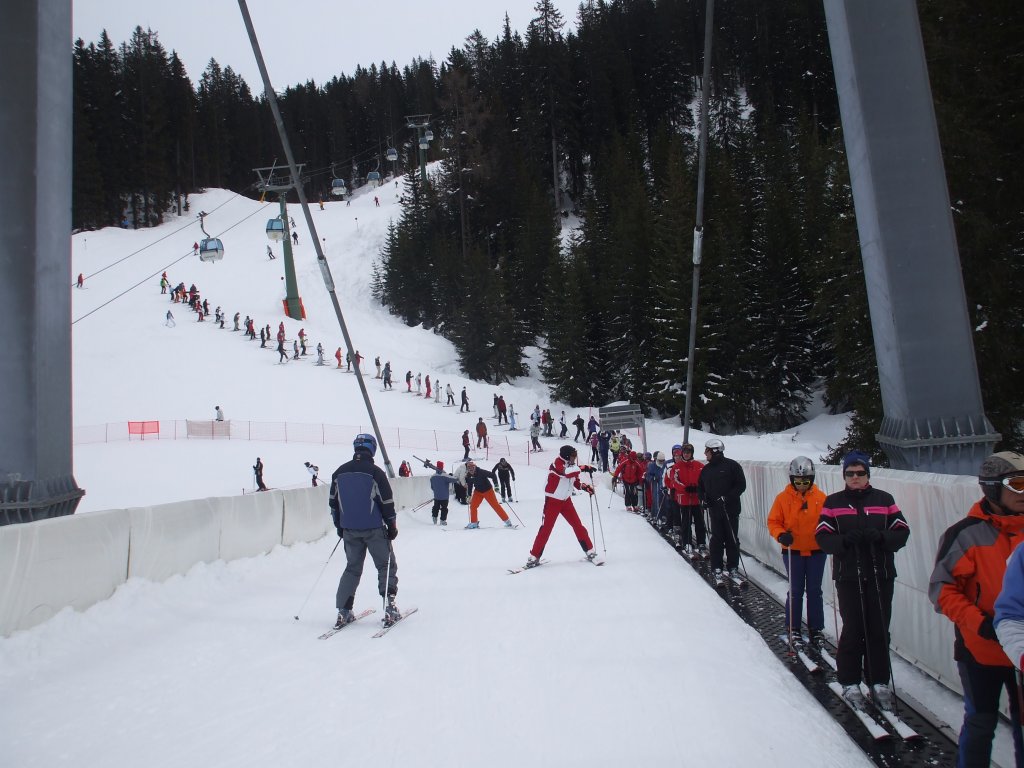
[(365, 442)]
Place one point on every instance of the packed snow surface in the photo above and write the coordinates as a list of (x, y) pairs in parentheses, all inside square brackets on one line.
[(637, 662)]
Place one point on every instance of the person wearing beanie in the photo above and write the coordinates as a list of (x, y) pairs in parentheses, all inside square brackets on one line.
[(441, 486), (967, 578), (563, 476), (862, 528)]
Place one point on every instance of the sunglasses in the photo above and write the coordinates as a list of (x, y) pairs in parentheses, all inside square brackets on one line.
[(856, 473), (802, 481)]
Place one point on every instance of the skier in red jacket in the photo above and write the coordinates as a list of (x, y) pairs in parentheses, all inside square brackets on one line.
[(563, 476), (631, 473)]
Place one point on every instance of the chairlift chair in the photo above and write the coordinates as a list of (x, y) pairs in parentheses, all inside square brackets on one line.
[(392, 155), (428, 135), (338, 188)]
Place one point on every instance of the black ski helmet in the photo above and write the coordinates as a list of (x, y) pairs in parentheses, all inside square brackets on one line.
[(567, 452)]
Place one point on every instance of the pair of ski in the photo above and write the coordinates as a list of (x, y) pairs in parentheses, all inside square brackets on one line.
[(481, 528), (513, 571), (867, 716), (380, 633), (799, 647), (728, 578)]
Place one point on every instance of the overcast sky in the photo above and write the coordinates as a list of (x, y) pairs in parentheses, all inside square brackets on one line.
[(305, 39)]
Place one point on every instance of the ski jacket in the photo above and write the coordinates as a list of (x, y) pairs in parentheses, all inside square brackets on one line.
[(504, 470), (404, 470), (604, 440), (615, 443), (481, 429), (630, 472), (441, 484), (681, 478), (361, 497), (460, 474), (1010, 609), (480, 480), (562, 478), (797, 513), (721, 483), (465, 439), (579, 423), (968, 577), (655, 473), (535, 429), (851, 510), (501, 405)]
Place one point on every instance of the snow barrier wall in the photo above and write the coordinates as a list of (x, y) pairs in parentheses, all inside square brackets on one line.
[(79, 560), (930, 502)]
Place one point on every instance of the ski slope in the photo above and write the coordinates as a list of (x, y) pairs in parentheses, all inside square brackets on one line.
[(636, 662)]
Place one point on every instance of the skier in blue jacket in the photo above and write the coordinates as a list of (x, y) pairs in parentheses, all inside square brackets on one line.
[(441, 485), (363, 511)]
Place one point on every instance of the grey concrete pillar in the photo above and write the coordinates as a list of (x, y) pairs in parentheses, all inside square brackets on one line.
[(934, 417), (36, 479)]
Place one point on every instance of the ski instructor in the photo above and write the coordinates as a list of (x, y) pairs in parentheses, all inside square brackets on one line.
[(363, 511), (563, 476)]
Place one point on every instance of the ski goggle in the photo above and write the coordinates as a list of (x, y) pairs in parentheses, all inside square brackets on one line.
[(1015, 483), (803, 481)]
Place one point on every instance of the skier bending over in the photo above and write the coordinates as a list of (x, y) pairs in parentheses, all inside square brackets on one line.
[(563, 476)]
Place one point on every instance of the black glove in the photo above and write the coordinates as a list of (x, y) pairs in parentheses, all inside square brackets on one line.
[(426, 465), (588, 469), (392, 531), (786, 539), (854, 537), (340, 530), (690, 488), (987, 629), (871, 535)]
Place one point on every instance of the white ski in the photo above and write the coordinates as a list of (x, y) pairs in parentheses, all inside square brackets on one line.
[(904, 731), (877, 732)]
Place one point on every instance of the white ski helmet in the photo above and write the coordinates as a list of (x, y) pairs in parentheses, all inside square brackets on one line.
[(714, 445), (995, 468), (801, 466)]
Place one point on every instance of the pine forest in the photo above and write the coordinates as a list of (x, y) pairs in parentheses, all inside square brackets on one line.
[(597, 128)]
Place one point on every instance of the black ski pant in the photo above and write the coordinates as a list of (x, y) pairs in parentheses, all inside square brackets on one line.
[(983, 686), (692, 517), (629, 493), (863, 652), (440, 505), (460, 492), (725, 536), (579, 434), (604, 459), (504, 487)]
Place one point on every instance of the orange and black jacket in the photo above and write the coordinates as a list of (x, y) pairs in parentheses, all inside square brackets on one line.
[(797, 513), (968, 577)]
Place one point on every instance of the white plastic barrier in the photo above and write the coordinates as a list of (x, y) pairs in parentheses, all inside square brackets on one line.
[(48, 565), (930, 502), (80, 560)]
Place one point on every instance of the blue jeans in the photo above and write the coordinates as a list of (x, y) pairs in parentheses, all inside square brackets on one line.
[(983, 686), (805, 574)]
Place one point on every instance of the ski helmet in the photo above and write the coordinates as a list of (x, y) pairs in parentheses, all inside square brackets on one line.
[(647, 455), (686, 448), (365, 442), (440, 465), (567, 452), (801, 466), (677, 449), (997, 467), (714, 445), (659, 457)]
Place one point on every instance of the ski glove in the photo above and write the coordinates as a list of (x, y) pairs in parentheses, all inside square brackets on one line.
[(587, 488), (340, 530), (853, 538), (987, 630), (392, 531), (588, 469), (871, 535), (786, 539)]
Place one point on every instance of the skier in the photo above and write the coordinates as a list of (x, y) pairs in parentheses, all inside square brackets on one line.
[(404, 470), (592, 426), (603, 446), (681, 480), (495, 405), (460, 484), (419, 383), (270, 253), (81, 280), (282, 354), (450, 394), (968, 577), (295, 238), (563, 476), (594, 456), (237, 315), (579, 424), (426, 383), (258, 470), (218, 414), (376, 361), (465, 401), (337, 356), (481, 432), (654, 478), (314, 471), (302, 340), (631, 474), (504, 471), (465, 445), (263, 339), (319, 353), (562, 426), (348, 362), (363, 511), (169, 322), (441, 486), (195, 248), (408, 381), (535, 436), (480, 480), (719, 486), (861, 527), (511, 418), (387, 376), (792, 522), (502, 410)]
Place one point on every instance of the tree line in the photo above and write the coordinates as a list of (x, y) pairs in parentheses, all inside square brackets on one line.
[(598, 128)]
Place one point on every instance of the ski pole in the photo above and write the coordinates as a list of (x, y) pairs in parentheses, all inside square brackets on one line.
[(732, 535), (863, 617), (601, 526), (591, 512), (515, 492), (881, 616), (387, 578), (516, 514), (317, 579), (789, 597), (421, 505)]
